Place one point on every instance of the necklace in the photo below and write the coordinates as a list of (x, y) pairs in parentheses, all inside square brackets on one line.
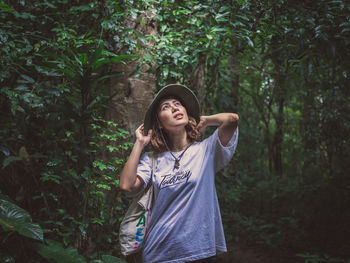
[(177, 159)]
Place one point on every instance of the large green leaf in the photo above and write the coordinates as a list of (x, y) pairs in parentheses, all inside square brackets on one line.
[(9, 160), (6, 7), (109, 259), (101, 61), (54, 251), (14, 218)]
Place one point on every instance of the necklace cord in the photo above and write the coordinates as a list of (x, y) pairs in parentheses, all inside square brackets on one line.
[(177, 159)]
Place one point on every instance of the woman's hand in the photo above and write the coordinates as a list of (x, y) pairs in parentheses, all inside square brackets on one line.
[(140, 137), (203, 123), (129, 181), (227, 124)]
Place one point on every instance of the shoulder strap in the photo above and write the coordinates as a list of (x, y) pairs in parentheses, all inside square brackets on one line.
[(153, 157)]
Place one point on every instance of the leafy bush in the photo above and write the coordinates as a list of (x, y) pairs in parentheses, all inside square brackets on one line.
[(54, 91)]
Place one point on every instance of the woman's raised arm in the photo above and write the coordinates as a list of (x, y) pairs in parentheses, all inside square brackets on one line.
[(129, 181), (227, 123)]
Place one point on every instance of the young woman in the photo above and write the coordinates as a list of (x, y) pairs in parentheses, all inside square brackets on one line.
[(185, 224)]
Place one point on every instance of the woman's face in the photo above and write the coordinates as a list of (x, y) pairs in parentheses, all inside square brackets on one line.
[(172, 114)]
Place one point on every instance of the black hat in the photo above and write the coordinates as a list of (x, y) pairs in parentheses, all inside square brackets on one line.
[(179, 91)]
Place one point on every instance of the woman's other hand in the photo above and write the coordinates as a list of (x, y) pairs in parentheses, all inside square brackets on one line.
[(129, 181), (227, 123), (140, 137), (203, 123)]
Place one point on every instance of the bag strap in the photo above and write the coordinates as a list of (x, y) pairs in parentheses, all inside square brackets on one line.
[(153, 161), (146, 200), (153, 157)]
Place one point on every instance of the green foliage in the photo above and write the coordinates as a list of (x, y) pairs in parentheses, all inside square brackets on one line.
[(311, 258), (56, 62), (14, 218), (109, 259), (283, 66), (190, 29), (56, 253)]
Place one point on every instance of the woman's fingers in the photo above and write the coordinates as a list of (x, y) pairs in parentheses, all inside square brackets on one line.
[(141, 128), (144, 139), (139, 131), (201, 125)]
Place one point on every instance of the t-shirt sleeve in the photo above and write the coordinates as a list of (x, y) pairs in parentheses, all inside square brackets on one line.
[(222, 154), (144, 169)]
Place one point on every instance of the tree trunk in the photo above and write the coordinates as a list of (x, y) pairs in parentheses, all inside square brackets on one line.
[(279, 93), (278, 139), (128, 107), (133, 94), (197, 80), (279, 118), (233, 64)]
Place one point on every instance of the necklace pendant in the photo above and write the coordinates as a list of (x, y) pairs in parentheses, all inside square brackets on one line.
[(177, 164)]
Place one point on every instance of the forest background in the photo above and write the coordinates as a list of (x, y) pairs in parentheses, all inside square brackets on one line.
[(77, 75)]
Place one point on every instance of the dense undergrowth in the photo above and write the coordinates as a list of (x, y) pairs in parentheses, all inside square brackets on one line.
[(284, 67)]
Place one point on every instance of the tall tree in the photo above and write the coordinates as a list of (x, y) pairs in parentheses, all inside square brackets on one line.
[(135, 88)]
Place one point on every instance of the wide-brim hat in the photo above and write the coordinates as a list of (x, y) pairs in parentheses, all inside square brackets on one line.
[(184, 94)]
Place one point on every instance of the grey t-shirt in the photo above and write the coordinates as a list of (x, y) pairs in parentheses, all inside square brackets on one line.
[(185, 224)]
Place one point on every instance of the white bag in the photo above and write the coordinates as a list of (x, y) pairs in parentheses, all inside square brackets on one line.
[(134, 226)]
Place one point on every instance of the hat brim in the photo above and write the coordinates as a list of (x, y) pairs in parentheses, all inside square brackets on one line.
[(187, 97)]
